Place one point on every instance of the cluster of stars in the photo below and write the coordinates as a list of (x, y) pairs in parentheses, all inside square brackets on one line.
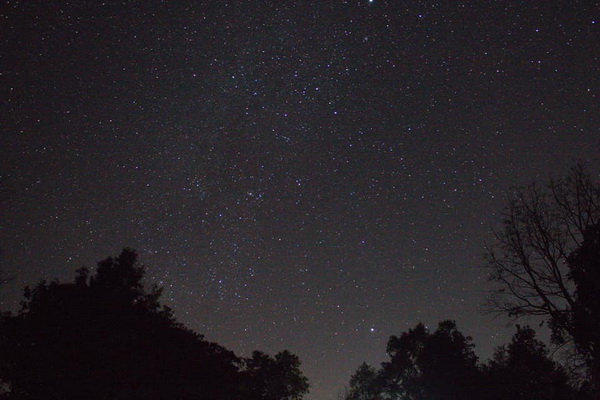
[(312, 176)]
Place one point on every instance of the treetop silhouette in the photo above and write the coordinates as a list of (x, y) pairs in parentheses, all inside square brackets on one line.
[(105, 336), (546, 262)]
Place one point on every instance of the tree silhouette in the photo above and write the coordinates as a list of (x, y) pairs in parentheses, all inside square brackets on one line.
[(442, 365), (449, 364), (522, 370), (541, 266), (106, 337), (422, 366), (277, 378), (365, 384), (584, 272)]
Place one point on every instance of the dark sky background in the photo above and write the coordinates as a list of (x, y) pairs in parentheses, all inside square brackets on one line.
[(302, 175)]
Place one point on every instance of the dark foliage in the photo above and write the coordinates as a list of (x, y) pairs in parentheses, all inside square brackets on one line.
[(422, 366), (546, 263), (365, 384), (522, 370), (106, 337), (442, 365), (277, 378), (584, 272)]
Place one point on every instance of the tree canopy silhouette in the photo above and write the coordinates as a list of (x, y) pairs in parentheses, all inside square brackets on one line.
[(106, 337), (584, 319), (442, 365), (523, 370), (545, 261), (277, 378), (365, 384), (422, 366)]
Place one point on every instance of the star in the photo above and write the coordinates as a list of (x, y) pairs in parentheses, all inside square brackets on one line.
[(301, 163)]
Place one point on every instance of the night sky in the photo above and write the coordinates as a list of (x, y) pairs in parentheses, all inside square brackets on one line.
[(302, 175)]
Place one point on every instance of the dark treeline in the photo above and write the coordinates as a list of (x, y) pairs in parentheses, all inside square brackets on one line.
[(426, 365), (105, 336), (545, 264)]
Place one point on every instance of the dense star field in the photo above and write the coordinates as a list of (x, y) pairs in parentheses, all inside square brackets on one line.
[(310, 176)]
